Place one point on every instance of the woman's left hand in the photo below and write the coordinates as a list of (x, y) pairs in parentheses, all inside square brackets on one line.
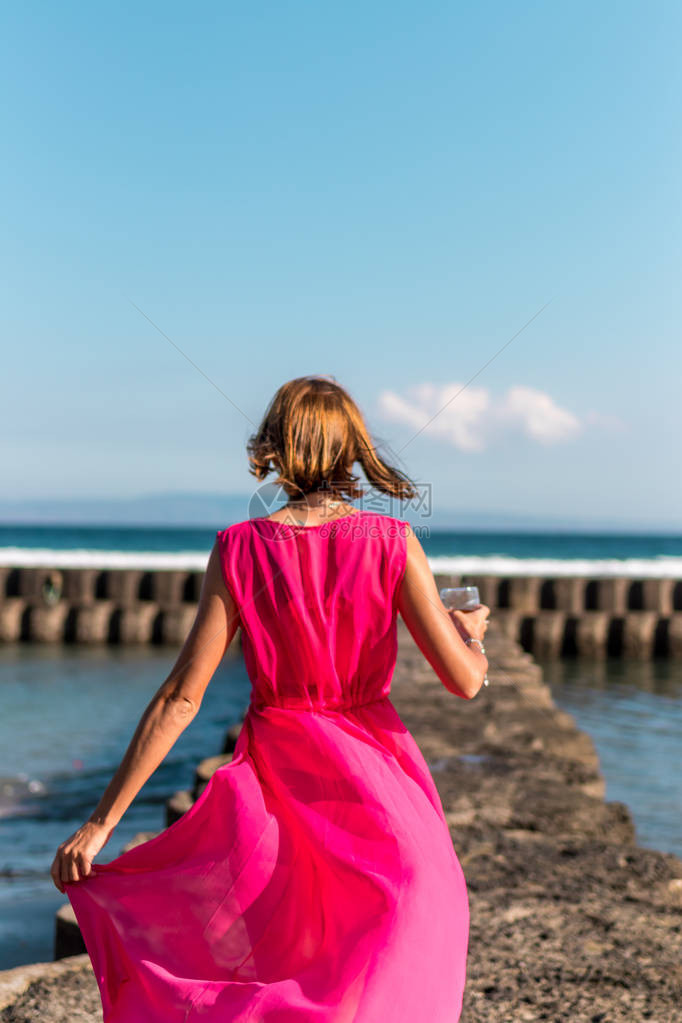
[(73, 859)]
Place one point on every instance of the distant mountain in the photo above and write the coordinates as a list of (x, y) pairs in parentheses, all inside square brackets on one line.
[(168, 509), (206, 509)]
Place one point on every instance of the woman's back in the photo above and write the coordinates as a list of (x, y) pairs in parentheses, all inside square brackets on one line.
[(314, 877), (317, 605)]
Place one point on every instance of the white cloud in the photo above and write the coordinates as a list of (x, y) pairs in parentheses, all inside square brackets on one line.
[(458, 423), (538, 415), (469, 417)]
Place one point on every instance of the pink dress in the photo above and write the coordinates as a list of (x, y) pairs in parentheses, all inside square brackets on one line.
[(315, 877)]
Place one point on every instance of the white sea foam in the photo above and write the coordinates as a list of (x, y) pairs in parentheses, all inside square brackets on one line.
[(192, 561), (34, 557), (496, 564)]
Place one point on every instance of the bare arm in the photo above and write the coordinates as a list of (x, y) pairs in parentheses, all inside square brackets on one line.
[(440, 633), (170, 711)]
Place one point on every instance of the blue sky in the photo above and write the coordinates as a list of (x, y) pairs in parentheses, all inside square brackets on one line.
[(383, 192)]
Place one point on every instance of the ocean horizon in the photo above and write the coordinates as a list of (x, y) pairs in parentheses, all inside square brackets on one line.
[(462, 551)]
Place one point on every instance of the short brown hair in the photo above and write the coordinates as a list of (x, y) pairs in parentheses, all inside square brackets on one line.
[(311, 435)]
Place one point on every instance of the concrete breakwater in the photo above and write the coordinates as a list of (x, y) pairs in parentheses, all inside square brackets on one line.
[(89, 605), (550, 617), (571, 920)]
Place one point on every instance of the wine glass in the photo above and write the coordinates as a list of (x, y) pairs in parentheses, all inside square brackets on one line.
[(461, 598)]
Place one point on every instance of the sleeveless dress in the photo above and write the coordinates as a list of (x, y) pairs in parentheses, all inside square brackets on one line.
[(315, 877)]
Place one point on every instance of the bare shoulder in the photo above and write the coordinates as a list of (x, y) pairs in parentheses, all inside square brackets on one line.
[(214, 581), (418, 584), (415, 550)]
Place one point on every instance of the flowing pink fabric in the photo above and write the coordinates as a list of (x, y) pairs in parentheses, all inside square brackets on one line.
[(315, 877)]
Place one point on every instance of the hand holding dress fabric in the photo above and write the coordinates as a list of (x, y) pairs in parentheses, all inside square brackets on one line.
[(73, 859)]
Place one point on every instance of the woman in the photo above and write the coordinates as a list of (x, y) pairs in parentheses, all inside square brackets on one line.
[(315, 877)]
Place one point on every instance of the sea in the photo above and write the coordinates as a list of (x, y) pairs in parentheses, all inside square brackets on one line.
[(67, 713)]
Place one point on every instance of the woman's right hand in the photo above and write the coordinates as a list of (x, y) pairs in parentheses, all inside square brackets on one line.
[(73, 859), (473, 623)]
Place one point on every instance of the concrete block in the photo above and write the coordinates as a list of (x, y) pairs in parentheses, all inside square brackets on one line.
[(488, 588), (508, 623), (592, 630), (92, 623), (639, 633), (569, 594), (675, 636), (608, 594), (80, 585), (178, 804), (11, 616), (524, 594), (656, 595), (135, 624), (121, 586), (548, 632), (176, 623), (206, 769), (47, 624), (168, 588)]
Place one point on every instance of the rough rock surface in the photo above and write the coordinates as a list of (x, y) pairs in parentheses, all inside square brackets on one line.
[(570, 919)]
